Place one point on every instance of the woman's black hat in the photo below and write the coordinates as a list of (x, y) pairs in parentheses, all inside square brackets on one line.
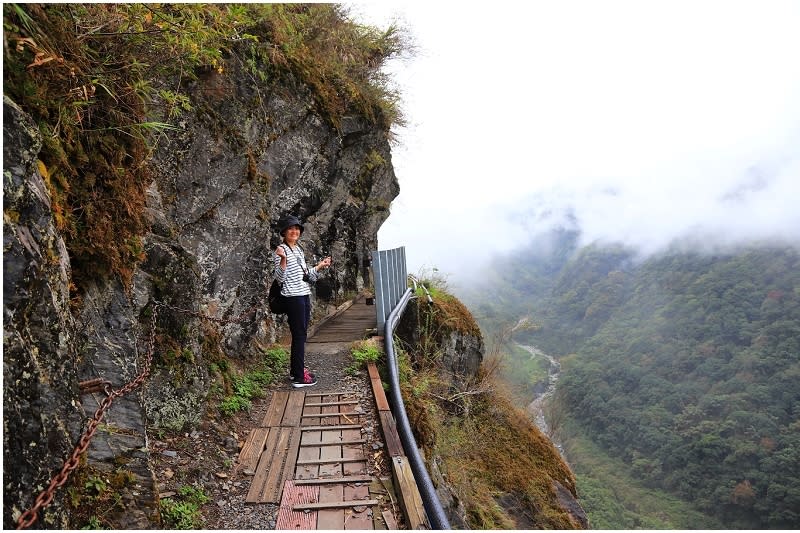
[(288, 222)]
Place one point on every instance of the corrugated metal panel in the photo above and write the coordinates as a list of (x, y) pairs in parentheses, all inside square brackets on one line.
[(295, 495)]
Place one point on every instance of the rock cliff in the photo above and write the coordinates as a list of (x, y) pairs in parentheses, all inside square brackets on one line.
[(40, 385), (245, 156)]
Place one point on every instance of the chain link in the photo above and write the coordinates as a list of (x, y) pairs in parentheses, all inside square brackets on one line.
[(44, 499), (30, 516)]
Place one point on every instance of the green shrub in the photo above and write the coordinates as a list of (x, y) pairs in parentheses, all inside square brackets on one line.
[(363, 352), (277, 357), (234, 404), (194, 494), (252, 384), (180, 515), (93, 523), (184, 512)]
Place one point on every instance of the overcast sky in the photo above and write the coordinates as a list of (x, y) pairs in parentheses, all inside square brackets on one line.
[(648, 121)]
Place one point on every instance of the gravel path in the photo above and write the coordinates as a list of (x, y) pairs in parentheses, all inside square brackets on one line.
[(207, 456)]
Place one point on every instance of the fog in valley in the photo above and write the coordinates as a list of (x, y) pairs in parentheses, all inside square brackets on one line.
[(636, 123)]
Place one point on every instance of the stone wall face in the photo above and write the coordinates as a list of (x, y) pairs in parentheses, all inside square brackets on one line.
[(244, 157), (38, 329)]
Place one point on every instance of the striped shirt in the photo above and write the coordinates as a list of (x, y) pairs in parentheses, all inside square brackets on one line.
[(291, 278)]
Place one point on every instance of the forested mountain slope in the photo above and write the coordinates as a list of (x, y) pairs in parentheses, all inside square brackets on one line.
[(684, 365)]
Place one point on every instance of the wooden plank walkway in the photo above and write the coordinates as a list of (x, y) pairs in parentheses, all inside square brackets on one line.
[(309, 457), (356, 322), (308, 454)]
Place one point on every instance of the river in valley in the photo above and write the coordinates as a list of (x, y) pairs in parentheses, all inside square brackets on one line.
[(536, 406)]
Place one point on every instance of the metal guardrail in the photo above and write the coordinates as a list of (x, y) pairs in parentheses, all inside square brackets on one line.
[(386, 323), (416, 283), (391, 281)]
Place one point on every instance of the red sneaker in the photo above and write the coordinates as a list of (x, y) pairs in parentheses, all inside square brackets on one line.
[(308, 380)]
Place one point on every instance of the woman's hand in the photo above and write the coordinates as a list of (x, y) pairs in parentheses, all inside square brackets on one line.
[(325, 263), (282, 254)]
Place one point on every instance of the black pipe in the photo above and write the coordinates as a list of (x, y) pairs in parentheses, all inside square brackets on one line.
[(433, 508)]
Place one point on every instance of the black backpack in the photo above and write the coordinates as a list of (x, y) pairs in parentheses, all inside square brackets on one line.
[(277, 303)]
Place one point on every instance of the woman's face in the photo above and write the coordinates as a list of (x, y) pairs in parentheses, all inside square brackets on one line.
[(292, 234)]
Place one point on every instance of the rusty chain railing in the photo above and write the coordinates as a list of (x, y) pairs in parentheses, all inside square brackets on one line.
[(44, 499)]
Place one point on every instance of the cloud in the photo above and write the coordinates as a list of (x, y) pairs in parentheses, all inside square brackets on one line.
[(645, 121), (710, 206)]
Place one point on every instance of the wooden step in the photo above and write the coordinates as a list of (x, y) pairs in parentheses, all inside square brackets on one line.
[(276, 464), (317, 473), (339, 443), (331, 460), (333, 505), (330, 415), (327, 404), (343, 393), (284, 409), (252, 448), (331, 427)]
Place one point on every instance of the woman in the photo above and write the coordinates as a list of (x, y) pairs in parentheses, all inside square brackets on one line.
[(295, 279)]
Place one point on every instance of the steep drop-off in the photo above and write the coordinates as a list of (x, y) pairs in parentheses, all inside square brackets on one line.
[(678, 396), (492, 467)]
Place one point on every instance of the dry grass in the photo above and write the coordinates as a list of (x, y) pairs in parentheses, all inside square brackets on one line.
[(340, 60), (498, 463), (500, 466)]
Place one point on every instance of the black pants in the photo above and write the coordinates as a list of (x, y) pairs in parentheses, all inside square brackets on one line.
[(298, 312)]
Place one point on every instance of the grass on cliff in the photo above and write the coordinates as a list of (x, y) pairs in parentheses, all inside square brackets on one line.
[(364, 352), (239, 388), (498, 463), (102, 82), (182, 511)]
